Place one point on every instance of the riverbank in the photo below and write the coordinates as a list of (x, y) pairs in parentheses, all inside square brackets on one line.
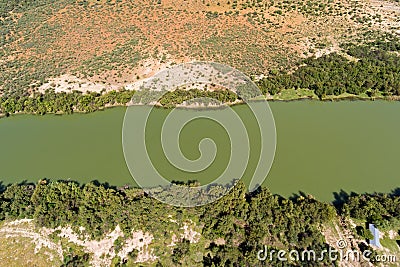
[(63, 103), (307, 94), (91, 101)]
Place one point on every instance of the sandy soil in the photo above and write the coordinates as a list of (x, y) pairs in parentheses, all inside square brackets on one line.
[(340, 233), (101, 251), (187, 233), (192, 75), (25, 228)]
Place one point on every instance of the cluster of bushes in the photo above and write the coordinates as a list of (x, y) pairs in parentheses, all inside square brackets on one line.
[(374, 71), (20, 6), (123, 56), (173, 98), (22, 73), (382, 209), (66, 103)]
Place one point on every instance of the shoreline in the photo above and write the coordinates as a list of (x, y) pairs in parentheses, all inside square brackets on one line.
[(125, 186), (350, 98)]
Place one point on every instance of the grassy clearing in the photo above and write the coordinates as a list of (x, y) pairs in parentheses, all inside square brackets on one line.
[(292, 94), (390, 244), (20, 251), (332, 225), (362, 96)]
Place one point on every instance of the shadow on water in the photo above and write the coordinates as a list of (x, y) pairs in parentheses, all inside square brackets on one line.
[(255, 192), (2, 187), (341, 197), (300, 194), (106, 185), (28, 185), (31, 185), (396, 192), (95, 182)]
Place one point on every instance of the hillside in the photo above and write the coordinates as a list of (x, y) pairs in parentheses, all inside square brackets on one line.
[(94, 225), (108, 44)]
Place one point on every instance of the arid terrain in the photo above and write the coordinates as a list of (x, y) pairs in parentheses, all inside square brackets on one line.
[(95, 45)]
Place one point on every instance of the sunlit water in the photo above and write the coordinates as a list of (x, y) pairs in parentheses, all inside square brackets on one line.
[(322, 147)]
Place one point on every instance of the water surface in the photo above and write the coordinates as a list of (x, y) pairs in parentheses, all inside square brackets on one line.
[(322, 147)]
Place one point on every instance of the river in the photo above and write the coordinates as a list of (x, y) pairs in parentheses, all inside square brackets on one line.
[(322, 147)]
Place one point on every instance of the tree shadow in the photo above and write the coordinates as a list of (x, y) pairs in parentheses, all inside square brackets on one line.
[(95, 182), (3, 187), (28, 184), (396, 192), (341, 197), (255, 192), (301, 194), (67, 181)]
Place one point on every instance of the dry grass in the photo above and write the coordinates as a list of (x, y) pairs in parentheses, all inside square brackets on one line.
[(20, 251), (115, 42)]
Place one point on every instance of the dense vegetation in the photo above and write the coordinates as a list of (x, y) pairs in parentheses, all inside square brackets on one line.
[(66, 103), (382, 209), (243, 221), (173, 98), (372, 69)]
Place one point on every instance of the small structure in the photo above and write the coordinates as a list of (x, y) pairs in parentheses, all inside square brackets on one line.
[(375, 232)]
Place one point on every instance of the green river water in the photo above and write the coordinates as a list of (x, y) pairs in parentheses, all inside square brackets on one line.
[(322, 147)]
